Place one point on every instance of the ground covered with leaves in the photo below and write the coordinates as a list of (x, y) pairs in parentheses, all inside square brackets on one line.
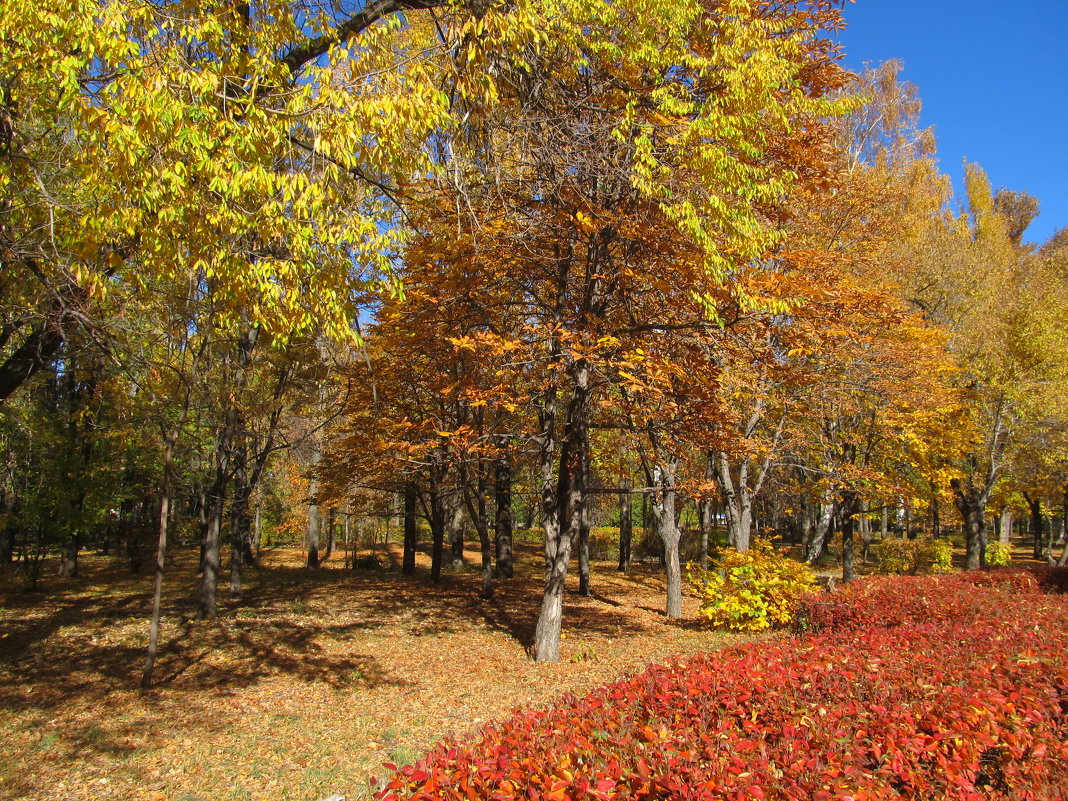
[(305, 687)]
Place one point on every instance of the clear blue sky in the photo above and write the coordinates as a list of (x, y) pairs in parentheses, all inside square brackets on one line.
[(993, 77)]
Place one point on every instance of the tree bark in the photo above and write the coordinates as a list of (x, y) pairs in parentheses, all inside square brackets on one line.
[(161, 557), (737, 499), (626, 528), (456, 534), (502, 481), (663, 503), (582, 513), (35, 352), (558, 496), (850, 508), (1037, 525), (822, 535), (206, 602), (331, 532), (411, 532), (1005, 526), (239, 516), (970, 503), (437, 529), (476, 501), (314, 512)]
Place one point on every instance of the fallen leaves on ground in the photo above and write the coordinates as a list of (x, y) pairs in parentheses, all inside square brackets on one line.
[(301, 689)]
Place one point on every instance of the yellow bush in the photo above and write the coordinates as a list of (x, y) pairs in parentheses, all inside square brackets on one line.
[(752, 591), (604, 542), (998, 554), (942, 553)]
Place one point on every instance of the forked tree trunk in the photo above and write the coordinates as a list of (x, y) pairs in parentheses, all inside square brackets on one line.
[(560, 493), (209, 580)]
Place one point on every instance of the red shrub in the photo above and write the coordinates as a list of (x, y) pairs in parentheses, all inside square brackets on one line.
[(921, 688)]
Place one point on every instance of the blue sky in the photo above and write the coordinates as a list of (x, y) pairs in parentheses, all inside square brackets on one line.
[(993, 77)]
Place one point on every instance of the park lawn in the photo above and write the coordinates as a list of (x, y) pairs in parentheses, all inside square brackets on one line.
[(302, 690)]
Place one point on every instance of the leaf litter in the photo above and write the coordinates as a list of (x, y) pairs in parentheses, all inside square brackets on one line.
[(306, 686)]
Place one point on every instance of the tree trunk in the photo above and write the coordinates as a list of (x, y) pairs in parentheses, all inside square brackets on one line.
[(411, 532), (1063, 561), (823, 533), (807, 523), (663, 504), (81, 439), (206, 604), (331, 532), (486, 548), (737, 500), (456, 534), (865, 532), (209, 579), (1037, 525), (850, 508), (558, 498), (1005, 526), (704, 527), (315, 521), (161, 557), (239, 517), (584, 552), (437, 530), (583, 521), (68, 562), (626, 528), (503, 520), (970, 503)]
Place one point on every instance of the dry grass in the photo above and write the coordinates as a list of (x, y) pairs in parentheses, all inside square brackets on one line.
[(303, 689)]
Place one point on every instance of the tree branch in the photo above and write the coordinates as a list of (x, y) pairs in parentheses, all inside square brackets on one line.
[(371, 13)]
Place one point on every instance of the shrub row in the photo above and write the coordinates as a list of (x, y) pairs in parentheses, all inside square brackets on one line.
[(884, 601), (958, 691)]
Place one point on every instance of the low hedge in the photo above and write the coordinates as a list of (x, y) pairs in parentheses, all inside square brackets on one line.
[(951, 687)]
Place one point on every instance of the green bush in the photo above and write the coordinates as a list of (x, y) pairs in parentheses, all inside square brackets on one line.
[(752, 591)]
